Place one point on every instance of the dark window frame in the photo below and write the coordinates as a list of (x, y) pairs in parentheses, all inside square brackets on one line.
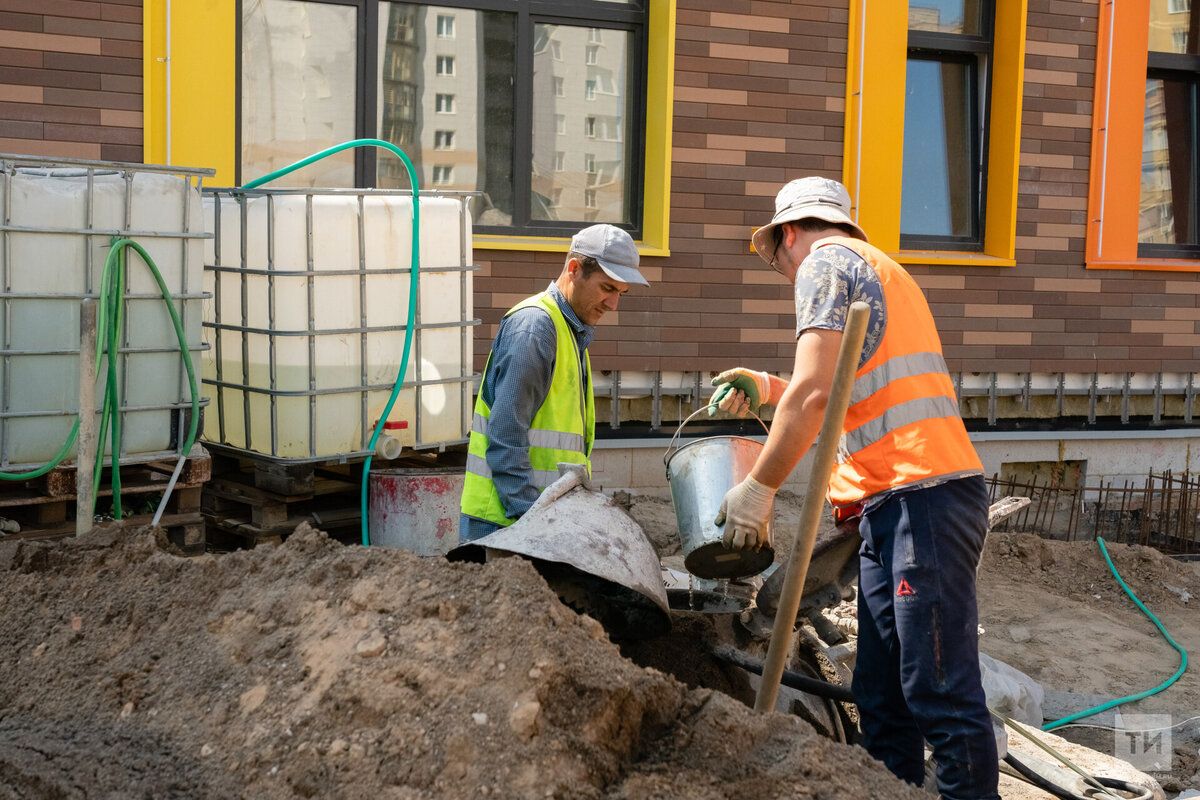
[(633, 17), (1185, 68), (977, 51)]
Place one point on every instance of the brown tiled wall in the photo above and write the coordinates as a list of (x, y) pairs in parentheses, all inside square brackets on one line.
[(71, 78), (759, 90), (742, 127)]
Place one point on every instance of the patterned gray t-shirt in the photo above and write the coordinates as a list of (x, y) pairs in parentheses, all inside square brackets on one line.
[(828, 281)]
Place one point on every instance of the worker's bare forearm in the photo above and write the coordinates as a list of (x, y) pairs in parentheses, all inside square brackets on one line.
[(793, 430), (801, 410)]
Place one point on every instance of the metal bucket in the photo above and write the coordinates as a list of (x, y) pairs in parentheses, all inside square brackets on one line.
[(415, 509), (700, 473)]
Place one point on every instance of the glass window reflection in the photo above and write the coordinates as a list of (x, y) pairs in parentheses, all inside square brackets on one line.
[(444, 73), (938, 152), (594, 70), (946, 16), (298, 89), (1167, 207), (1173, 27)]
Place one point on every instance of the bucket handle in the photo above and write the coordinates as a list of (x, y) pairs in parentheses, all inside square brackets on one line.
[(667, 455)]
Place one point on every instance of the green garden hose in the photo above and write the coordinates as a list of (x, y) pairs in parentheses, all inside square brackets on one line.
[(412, 289), (1183, 656), (110, 325)]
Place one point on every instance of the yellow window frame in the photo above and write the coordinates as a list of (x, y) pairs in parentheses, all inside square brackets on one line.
[(873, 152), (199, 54)]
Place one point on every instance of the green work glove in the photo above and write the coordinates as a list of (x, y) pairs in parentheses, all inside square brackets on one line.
[(754, 385)]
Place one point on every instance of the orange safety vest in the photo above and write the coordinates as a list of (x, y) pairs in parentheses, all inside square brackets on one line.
[(903, 424)]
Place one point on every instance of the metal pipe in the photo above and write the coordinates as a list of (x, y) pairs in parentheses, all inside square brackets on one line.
[(792, 680), (806, 535), (85, 448), (162, 504)]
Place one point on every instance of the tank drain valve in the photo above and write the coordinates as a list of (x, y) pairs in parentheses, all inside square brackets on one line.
[(389, 447)]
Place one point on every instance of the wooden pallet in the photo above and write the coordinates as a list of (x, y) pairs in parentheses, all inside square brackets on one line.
[(250, 501), (45, 507)]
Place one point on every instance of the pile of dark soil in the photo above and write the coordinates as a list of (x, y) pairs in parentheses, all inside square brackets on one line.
[(317, 670)]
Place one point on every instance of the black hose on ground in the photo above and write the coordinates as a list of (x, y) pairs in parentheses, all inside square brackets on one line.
[(1137, 792), (793, 680)]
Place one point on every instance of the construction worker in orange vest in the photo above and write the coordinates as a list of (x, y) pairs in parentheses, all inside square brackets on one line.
[(907, 477)]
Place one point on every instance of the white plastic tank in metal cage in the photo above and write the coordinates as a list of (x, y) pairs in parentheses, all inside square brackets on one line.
[(310, 295), (58, 218)]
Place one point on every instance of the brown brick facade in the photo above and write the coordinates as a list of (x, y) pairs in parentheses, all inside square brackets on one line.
[(759, 99), (71, 78)]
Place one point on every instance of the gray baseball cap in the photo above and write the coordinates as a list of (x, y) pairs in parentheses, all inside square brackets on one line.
[(613, 249)]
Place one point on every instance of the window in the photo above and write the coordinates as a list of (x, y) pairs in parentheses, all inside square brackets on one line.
[(1168, 211), (1143, 187), (1179, 6), (560, 160), (589, 198), (946, 191), (442, 175), (589, 162), (591, 55), (511, 63), (945, 101), (319, 91), (556, 198), (589, 127)]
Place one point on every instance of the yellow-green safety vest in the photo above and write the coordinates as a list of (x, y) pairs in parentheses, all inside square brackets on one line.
[(562, 429)]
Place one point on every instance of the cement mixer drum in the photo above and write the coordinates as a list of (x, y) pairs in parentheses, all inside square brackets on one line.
[(593, 554)]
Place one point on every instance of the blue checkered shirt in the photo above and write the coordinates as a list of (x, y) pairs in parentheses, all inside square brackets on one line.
[(514, 387)]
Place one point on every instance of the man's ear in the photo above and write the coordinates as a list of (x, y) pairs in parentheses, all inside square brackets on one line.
[(789, 235), (573, 267)]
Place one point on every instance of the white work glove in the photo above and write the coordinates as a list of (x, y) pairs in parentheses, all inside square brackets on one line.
[(740, 390), (746, 514)]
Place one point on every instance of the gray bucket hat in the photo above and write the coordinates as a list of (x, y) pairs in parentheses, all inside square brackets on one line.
[(613, 249), (804, 198)]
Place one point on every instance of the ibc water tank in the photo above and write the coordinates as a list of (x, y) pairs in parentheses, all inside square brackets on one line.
[(57, 220), (307, 319)]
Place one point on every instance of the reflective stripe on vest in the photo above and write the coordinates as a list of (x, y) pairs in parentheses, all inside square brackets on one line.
[(551, 440), (897, 417), (540, 478), (894, 369)]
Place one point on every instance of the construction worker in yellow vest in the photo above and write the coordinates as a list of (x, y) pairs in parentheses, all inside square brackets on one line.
[(907, 478), (535, 406)]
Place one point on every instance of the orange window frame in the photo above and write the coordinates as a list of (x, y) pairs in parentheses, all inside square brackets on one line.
[(1122, 54)]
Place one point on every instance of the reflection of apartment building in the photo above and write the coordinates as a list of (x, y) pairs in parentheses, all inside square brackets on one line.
[(580, 113), (430, 95), (1166, 121)]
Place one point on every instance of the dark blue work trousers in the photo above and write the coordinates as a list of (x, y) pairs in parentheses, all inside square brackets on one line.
[(917, 673)]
